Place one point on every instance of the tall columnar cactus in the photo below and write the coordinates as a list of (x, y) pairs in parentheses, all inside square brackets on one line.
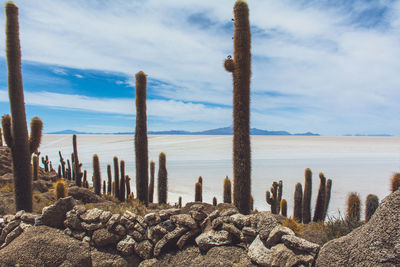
[(68, 170), (371, 204), (162, 179), (274, 197), (128, 185), (353, 209), (96, 175), (14, 128), (395, 182), (116, 178), (240, 67), (59, 172), (320, 204), (109, 176), (227, 190), (180, 202), (84, 176), (62, 162), (306, 202), (122, 183), (45, 161), (151, 185), (298, 196), (328, 188), (284, 207), (214, 201), (77, 165), (141, 149), (198, 196), (200, 180), (35, 165), (104, 187)]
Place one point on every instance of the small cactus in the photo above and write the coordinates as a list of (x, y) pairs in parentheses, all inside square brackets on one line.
[(45, 161), (306, 202), (122, 184), (60, 189), (198, 192), (104, 187), (162, 179), (1, 138), (275, 199), (227, 190), (298, 196), (320, 204), (128, 185), (109, 179), (180, 202), (35, 165), (151, 185), (86, 184), (353, 209), (284, 207), (200, 180), (395, 182), (96, 175), (214, 201), (371, 204)]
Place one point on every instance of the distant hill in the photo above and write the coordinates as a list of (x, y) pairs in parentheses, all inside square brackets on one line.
[(218, 131)]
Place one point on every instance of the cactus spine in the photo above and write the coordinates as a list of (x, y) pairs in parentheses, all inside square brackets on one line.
[(15, 128), (151, 186), (214, 201), (298, 196), (320, 204), (198, 196), (96, 175), (141, 149), (275, 199), (109, 179), (395, 182), (284, 207), (371, 204), (35, 163), (353, 209), (116, 178), (240, 67), (162, 179), (328, 188), (306, 202), (227, 190), (122, 183)]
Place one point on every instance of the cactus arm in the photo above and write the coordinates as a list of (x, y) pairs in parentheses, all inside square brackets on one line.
[(6, 124), (36, 134)]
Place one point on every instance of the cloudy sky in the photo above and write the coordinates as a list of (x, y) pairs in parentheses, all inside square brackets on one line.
[(330, 67)]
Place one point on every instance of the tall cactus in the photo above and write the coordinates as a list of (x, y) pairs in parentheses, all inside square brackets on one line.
[(240, 67), (162, 179), (274, 196), (328, 188), (298, 196), (116, 178), (62, 162), (122, 184), (371, 204), (198, 196), (77, 165), (151, 185), (284, 207), (109, 176), (306, 202), (227, 190), (15, 128), (104, 187), (128, 185), (35, 165), (141, 149), (320, 204), (353, 209), (45, 161), (96, 175)]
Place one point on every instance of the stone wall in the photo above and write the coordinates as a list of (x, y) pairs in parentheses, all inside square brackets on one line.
[(149, 236)]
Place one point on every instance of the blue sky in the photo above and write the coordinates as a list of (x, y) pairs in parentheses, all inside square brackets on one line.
[(330, 67)]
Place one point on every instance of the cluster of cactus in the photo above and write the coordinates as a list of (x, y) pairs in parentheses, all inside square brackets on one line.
[(162, 179), (274, 196), (240, 67), (14, 127)]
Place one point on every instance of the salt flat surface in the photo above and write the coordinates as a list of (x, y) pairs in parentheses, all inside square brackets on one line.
[(361, 164)]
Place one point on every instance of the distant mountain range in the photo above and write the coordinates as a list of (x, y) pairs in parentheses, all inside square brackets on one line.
[(218, 131)]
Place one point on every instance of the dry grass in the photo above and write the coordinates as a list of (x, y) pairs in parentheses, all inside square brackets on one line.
[(297, 228), (7, 187)]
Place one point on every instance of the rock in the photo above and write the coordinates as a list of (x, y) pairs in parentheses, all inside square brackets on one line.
[(72, 220), (78, 235), (165, 214), (105, 216), (148, 263), (136, 235), (83, 194), (144, 249), (141, 221), (41, 186), (155, 233), (28, 217), (240, 220), (6, 230), (167, 239), (232, 230), (167, 225), (276, 234), (138, 227), (152, 219), (197, 215), (25, 226), (120, 230), (91, 226), (184, 220), (13, 234), (218, 222), (113, 221), (295, 242), (18, 214), (213, 238), (79, 209), (280, 255), (263, 222), (126, 246), (182, 241), (228, 212), (375, 243), (248, 234), (86, 239), (54, 215), (102, 238), (259, 253), (45, 246), (92, 215), (130, 216)]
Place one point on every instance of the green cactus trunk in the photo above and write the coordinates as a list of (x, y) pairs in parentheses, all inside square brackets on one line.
[(306, 202), (240, 67), (371, 204), (328, 188), (180, 202), (214, 201), (128, 185), (109, 179), (298, 197), (122, 183), (275, 199), (116, 178), (62, 162), (320, 204), (151, 185), (104, 187), (284, 207), (77, 165), (35, 163), (45, 161), (96, 175), (198, 196), (353, 209), (162, 179), (227, 190), (141, 149)]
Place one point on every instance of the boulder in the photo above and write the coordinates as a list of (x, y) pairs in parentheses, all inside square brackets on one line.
[(54, 215), (276, 234), (376, 243), (263, 222), (213, 238), (103, 237), (91, 216), (83, 194), (126, 246), (165, 214), (168, 239), (258, 253), (144, 249), (240, 220), (300, 244), (184, 220)]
